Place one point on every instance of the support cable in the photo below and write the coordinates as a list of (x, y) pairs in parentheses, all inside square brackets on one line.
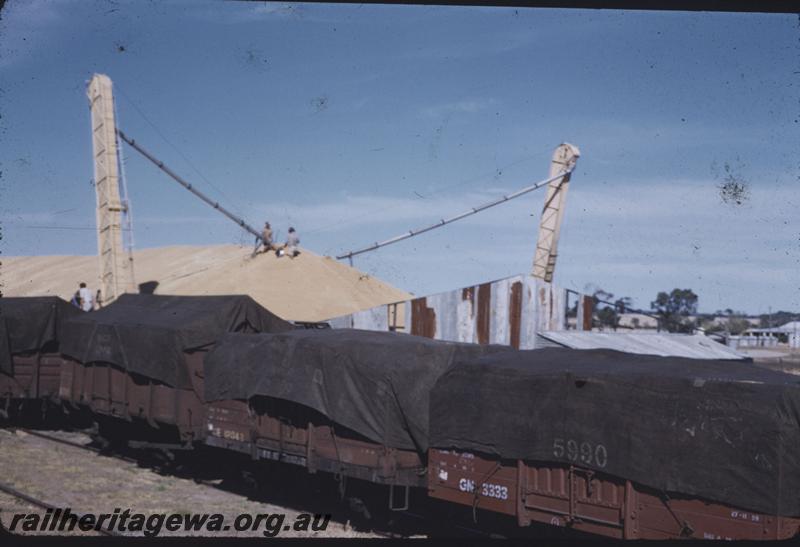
[(127, 213), (181, 154), (215, 204)]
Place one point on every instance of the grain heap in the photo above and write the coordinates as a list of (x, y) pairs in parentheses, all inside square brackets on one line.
[(307, 288)]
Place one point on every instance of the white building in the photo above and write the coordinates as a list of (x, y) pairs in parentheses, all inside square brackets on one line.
[(637, 321), (770, 337)]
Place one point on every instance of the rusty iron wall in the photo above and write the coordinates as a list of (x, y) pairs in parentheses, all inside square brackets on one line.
[(509, 311), (583, 320)]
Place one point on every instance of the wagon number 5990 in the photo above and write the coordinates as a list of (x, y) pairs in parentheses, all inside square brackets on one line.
[(584, 451)]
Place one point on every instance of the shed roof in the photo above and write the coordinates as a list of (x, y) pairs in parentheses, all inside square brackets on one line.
[(790, 327), (695, 346)]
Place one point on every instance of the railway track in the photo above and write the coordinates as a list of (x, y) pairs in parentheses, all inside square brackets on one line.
[(73, 444), (10, 490), (428, 525), (45, 505), (51, 438)]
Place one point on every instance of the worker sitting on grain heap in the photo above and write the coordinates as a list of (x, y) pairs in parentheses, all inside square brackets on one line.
[(290, 248), (266, 238)]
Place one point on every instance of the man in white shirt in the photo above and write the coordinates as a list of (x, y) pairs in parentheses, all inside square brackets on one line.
[(86, 298), (292, 241)]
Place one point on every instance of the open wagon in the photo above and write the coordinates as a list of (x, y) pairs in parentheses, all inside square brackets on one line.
[(349, 402), (137, 364), (30, 362), (620, 445)]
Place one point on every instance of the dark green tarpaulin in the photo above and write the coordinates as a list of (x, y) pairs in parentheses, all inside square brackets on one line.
[(28, 324), (147, 333), (721, 430), (375, 383)]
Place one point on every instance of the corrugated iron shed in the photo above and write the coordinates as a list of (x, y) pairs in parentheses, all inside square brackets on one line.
[(695, 346), (508, 311)]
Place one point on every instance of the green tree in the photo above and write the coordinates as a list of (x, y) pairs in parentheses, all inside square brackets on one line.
[(603, 315), (623, 304), (607, 310), (674, 309), (736, 322), (709, 324), (777, 318)]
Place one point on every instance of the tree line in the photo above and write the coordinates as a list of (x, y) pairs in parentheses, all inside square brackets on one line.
[(676, 311)]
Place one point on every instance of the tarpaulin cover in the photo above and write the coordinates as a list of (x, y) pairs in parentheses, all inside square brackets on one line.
[(721, 430), (30, 323), (375, 383), (148, 333)]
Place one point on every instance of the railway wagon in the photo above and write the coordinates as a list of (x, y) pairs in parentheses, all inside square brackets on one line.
[(620, 445), (138, 363), (30, 362), (348, 402)]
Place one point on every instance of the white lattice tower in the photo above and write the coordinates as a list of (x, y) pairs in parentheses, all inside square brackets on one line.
[(544, 261), (116, 265)]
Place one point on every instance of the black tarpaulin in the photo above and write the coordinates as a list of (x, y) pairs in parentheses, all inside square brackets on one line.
[(147, 333), (6, 361), (374, 383), (721, 430), (29, 324)]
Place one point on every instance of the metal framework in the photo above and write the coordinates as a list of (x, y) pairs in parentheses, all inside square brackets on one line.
[(544, 261), (116, 265)]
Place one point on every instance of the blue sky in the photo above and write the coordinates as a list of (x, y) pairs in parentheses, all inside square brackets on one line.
[(354, 123)]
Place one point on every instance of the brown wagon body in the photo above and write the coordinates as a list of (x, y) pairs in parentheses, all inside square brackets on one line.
[(284, 431), (35, 376), (588, 501), (349, 402), (137, 365), (30, 362), (169, 413)]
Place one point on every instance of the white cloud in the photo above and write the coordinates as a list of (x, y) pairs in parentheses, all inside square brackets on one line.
[(361, 211), (633, 237), (682, 211), (234, 13), (469, 106)]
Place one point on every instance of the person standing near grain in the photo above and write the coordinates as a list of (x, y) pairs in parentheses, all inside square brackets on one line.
[(85, 298)]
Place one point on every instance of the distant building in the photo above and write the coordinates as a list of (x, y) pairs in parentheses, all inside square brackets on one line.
[(637, 321), (722, 320), (627, 321), (771, 337)]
